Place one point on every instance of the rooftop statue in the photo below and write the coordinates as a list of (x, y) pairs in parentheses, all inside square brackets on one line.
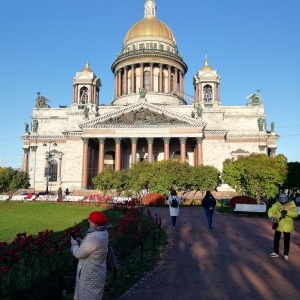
[(86, 112), (199, 110), (142, 92), (260, 122), (272, 126), (26, 128), (255, 99), (41, 101)]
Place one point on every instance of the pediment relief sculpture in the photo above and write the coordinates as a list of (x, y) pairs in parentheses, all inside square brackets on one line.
[(143, 116)]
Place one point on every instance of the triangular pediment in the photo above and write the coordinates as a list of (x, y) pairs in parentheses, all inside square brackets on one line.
[(142, 114), (84, 76)]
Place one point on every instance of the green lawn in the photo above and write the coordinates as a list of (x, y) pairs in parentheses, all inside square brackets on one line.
[(32, 217)]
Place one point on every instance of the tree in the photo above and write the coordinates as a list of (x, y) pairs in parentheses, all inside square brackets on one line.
[(204, 178), (109, 180), (166, 175), (139, 176), (257, 175), (11, 180)]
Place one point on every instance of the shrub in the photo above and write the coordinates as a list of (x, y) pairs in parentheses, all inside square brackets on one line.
[(241, 200), (154, 199)]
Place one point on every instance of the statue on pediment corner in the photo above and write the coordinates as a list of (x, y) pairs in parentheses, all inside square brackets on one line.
[(142, 92), (86, 112), (199, 110)]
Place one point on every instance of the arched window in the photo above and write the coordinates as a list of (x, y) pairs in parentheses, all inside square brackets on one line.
[(53, 170), (147, 81), (84, 95), (207, 93)]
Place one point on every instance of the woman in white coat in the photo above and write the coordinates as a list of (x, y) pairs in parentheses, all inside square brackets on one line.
[(92, 253), (174, 202)]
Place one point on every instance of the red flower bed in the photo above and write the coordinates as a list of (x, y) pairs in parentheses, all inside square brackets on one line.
[(154, 199), (241, 200)]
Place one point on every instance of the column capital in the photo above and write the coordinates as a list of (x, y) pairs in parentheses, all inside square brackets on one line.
[(182, 140), (134, 140), (150, 140), (118, 140), (199, 139), (33, 148), (166, 140), (85, 140), (101, 140)]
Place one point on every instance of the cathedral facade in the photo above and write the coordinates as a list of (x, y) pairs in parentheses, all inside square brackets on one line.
[(150, 117)]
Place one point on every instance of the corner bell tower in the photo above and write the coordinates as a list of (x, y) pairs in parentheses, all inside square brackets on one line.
[(86, 87), (207, 86)]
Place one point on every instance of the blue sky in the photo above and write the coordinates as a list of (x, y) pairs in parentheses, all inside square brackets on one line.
[(253, 45)]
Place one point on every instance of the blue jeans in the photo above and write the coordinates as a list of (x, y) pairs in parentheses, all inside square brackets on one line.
[(174, 220), (209, 214)]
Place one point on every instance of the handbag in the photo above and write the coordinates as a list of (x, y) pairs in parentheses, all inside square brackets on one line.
[(111, 261)]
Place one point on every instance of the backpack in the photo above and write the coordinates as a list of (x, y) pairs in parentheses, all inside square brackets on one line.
[(174, 202)]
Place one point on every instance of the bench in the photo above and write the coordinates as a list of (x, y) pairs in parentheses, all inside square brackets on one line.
[(19, 198), (251, 207), (4, 197), (47, 198), (73, 198)]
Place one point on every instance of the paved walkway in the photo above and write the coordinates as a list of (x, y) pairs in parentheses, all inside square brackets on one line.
[(228, 262)]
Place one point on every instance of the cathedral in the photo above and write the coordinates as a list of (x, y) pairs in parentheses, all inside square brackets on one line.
[(150, 117)]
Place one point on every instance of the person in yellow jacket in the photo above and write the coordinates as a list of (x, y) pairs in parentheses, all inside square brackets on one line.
[(282, 214)]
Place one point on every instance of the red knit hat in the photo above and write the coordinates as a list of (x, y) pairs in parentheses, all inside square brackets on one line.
[(98, 217)]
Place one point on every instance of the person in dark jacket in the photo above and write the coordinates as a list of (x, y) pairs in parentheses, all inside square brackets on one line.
[(209, 203)]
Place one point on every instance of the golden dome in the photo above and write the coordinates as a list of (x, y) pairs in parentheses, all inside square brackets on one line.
[(150, 26), (86, 69), (206, 67)]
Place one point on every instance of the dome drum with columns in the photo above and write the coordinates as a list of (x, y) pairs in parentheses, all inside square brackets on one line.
[(150, 118), (149, 59)]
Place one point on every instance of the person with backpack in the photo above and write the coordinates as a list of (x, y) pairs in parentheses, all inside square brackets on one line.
[(209, 203), (174, 202)]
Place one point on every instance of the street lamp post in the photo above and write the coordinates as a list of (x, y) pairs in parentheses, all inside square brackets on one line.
[(48, 159)]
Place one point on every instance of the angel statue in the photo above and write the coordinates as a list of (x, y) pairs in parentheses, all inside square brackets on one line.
[(41, 101), (255, 99)]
